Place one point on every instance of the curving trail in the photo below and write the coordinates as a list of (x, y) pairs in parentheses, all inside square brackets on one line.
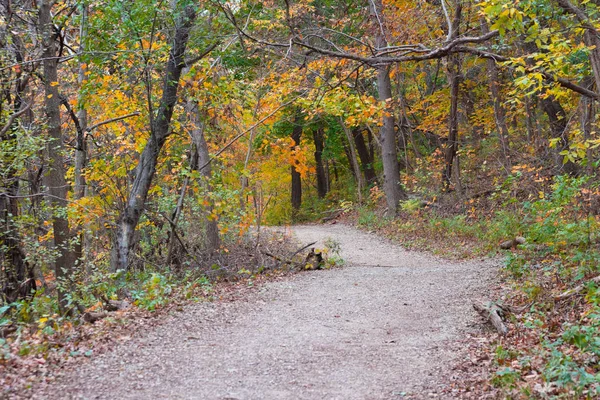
[(382, 327)]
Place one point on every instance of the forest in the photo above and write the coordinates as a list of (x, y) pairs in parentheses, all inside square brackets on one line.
[(145, 144)]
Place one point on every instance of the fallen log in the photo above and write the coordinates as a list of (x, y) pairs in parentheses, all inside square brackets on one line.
[(91, 317), (491, 312), (7, 330), (509, 244), (116, 305), (576, 289), (289, 260), (332, 215)]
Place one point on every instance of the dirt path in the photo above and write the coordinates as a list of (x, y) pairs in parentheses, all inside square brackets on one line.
[(379, 328)]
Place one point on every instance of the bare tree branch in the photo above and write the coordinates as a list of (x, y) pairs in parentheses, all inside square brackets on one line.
[(108, 121), (547, 75), (12, 119)]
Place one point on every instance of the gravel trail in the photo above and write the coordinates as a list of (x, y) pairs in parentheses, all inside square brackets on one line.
[(381, 327)]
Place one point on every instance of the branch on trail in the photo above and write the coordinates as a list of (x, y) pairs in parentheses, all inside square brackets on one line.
[(289, 260), (305, 247), (281, 260), (513, 243), (492, 312), (91, 317), (114, 305), (577, 289), (333, 214)]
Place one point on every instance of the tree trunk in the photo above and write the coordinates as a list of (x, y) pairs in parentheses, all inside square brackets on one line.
[(321, 178), (81, 142), (360, 182), (451, 145), (454, 76), (499, 112), (387, 135), (365, 157), (144, 171), (213, 241), (55, 177), (588, 114), (296, 178), (16, 276)]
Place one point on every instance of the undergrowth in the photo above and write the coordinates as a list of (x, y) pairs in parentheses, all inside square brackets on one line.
[(34, 333)]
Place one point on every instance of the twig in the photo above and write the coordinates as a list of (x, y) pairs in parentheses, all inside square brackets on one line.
[(12, 118), (577, 289), (108, 121)]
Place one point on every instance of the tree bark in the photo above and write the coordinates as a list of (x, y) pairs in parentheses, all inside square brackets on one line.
[(55, 177), (365, 157), (588, 114), (387, 135), (451, 145), (81, 142), (146, 167), (321, 178), (499, 111), (16, 276), (360, 181), (296, 178), (213, 241)]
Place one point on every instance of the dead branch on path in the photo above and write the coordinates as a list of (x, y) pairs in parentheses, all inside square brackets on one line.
[(492, 312)]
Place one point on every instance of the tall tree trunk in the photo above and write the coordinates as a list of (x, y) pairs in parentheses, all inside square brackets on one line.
[(588, 114), (454, 76), (451, 145), (296, 178), (144, 171), (387, 135), (360, 181), (173, 236), (365, 157), (372, 141), (321, 178), (55, 177), (16, 276), (499, 112), (213, 241), (81, 142)]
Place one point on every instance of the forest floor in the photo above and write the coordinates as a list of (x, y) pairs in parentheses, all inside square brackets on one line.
[(389, 324)]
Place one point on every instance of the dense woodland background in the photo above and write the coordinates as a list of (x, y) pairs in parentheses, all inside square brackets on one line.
[(140, 142)]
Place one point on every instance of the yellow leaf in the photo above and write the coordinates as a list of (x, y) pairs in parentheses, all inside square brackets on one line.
[(50, 96), (53, 84)]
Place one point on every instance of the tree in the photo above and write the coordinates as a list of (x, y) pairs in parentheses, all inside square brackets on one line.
[(55, 178), (159, 132)]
